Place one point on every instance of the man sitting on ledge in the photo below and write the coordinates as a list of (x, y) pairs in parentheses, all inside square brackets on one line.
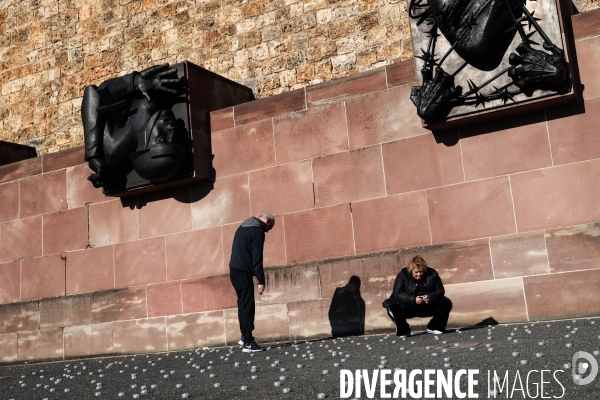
[(418, 292)]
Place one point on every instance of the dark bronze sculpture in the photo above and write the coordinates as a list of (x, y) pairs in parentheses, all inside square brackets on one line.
[(129, 126), (480, 32)]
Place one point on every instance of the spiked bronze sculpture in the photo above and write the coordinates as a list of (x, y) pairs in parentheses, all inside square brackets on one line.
[(480, 33)]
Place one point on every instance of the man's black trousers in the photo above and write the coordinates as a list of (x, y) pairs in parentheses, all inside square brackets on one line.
[(243, 284), (439, 310)]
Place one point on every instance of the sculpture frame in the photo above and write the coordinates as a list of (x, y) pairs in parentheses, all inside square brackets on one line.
[(563, 8), (205, 91)]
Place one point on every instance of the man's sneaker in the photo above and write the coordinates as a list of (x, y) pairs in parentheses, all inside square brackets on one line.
[(402, 334), (252, 347), (435, 331), (241, 341)]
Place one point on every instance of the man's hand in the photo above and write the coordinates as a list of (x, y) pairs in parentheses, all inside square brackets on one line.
[(261, 289), (153, 79), (422, 299), (418, 300)]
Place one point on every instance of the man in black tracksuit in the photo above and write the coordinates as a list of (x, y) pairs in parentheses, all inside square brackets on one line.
[(246, 262)]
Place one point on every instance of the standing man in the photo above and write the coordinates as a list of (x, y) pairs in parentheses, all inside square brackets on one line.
[(247, 261)]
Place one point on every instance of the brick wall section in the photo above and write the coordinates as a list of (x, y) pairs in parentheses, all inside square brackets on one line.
[(506, 211), (50, 50)]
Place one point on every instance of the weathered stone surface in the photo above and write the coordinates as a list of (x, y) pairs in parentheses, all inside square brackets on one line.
[(164, 299), (42, 277), (474, 302), (575, 248), (375, 273), (40, 345), (519, 255), (455, 262), (142, 335), (10, 282), (20, 317), (117, 305), (8, 347), (88, 340), (309, 319), (565, 295), (195, 330), (207, 294), (271, 323), (65, 311), (290, 284)]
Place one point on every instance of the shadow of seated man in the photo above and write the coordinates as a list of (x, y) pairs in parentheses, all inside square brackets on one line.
[(418, 292), (347, 310)]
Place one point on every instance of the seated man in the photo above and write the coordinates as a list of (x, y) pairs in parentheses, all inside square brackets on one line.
[(418, 292)]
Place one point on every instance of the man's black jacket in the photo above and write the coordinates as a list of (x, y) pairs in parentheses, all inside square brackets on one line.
[(405, 287), (247, 248)]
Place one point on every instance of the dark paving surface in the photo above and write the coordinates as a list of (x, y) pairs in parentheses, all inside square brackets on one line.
[(311, 370)]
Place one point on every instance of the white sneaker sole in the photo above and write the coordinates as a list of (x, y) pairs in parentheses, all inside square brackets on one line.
[(245, 350), (241, 342), (435, 332)]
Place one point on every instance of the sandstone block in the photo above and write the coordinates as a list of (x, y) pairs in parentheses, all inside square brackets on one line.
[(42, 277), (575, 248), (8, 347), (40, 345), (80, 191), (140, 262), (164, 299), (289, 284), (20, 317), (21, 238), (88, 340), (455, 262), (119, 304), (208, 294), (90, 270), (519, 255), (65, 230), (375, 274), (309, 319), (9, 198), (195, 330), (10, 282), (65, 311), (140, 336), (271, 323), (41, 194)]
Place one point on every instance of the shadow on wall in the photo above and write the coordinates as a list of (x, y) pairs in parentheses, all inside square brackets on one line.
[(347, 310), (182, 194)]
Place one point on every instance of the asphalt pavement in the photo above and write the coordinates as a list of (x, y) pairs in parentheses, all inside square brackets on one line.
[(516, 354)]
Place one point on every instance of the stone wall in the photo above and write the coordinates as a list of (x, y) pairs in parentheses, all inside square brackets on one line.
[(51, 49), (507, 211)]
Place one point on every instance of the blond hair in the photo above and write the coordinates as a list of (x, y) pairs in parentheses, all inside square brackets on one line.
[(417, 263)]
